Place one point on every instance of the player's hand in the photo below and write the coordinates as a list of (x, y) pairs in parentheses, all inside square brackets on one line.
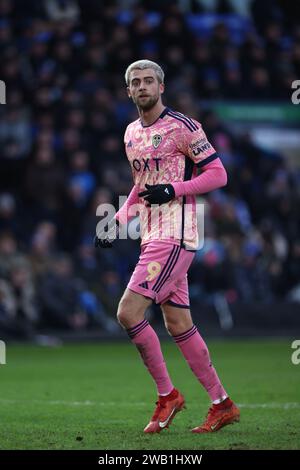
[(158, 193), (106, 238)]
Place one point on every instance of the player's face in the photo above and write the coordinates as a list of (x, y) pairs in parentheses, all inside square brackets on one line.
[(144, 88)]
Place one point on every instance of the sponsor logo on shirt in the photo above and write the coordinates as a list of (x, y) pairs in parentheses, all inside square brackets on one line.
[(201, 149), (146, 164), (198, 143), (200, 146)]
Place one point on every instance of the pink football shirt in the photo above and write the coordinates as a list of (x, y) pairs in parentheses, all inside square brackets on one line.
[(168, 151)]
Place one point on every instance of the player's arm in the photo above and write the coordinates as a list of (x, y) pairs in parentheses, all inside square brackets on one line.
[(106, 238), (193, 144), (123, 216), (214, 176)]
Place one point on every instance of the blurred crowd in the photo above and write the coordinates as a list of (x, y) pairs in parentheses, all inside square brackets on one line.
[(61, 150)]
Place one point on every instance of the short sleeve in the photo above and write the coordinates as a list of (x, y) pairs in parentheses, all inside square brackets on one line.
[(194, 144)]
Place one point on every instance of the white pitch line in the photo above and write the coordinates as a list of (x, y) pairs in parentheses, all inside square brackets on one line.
[(283, 406), (72, 403)]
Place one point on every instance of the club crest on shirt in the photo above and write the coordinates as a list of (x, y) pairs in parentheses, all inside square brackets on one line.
[(156, 140)]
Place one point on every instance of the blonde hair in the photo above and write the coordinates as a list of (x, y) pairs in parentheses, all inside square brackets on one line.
[(145, 64)]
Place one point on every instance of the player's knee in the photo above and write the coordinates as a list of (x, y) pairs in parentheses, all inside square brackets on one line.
[(171, 328), (176, 328), (125, 312), (122, 314)]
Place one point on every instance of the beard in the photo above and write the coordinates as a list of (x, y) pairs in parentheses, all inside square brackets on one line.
[(147, 103)]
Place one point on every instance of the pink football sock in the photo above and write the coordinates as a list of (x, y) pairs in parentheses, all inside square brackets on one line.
[(147, 342), (196, 354)]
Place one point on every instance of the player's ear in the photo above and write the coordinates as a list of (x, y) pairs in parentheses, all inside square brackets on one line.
[(161, 88), (128, 92)]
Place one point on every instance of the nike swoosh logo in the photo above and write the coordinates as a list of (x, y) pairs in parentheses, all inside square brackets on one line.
[(213, 426), (163, 424)]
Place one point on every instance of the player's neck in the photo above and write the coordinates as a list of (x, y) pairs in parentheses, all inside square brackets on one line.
[(149, 117)]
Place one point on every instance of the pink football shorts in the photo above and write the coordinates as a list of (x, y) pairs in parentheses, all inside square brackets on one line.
[(161, 273)]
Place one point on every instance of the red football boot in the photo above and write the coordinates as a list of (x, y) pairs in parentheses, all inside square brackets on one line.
[(165, 411), (219, 416)]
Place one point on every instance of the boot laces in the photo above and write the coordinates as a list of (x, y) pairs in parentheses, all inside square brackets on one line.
[(160, 404), (211, 412)]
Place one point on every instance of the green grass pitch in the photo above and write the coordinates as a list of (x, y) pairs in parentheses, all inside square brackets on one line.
[(99, 396)]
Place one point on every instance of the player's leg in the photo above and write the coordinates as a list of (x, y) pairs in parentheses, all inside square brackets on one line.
[(131, 309), (180, 326), (131, 316), (147, 281)]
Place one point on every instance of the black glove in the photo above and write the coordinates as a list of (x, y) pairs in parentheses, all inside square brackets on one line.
[(158, 193), (106, 238)]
